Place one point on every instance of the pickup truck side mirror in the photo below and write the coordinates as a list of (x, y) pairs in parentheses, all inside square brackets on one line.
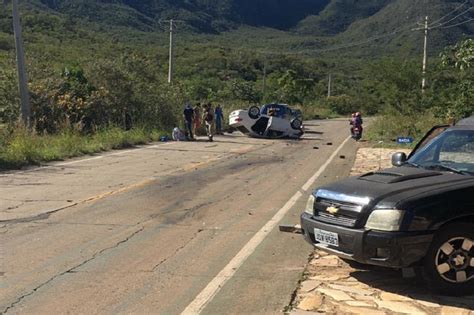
[(399, 158)]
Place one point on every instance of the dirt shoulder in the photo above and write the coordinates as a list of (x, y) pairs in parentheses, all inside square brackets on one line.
[(332, 286)]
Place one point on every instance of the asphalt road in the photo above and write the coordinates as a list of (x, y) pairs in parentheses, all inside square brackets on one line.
[(189, 227)]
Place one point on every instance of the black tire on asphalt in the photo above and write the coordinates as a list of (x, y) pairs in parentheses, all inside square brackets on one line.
[(296, 124), (452, 234), (254, 112)]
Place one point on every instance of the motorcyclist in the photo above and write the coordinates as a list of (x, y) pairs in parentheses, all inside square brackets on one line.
[(358, 123)]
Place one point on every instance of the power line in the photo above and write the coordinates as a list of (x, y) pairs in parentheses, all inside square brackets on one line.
[(368, 40), (394, 32), (457, 8), (453, 25), (351, 44), (454, 18)]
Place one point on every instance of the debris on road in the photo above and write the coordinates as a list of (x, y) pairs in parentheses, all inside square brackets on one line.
[(296, 229)]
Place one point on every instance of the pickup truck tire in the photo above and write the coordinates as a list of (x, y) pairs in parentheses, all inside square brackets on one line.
[(449, 264)]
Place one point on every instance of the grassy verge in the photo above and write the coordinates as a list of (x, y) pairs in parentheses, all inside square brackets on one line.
[(21, 148), (385, 130)]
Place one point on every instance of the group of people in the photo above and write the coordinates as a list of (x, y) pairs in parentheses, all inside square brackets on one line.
[(194, 118)]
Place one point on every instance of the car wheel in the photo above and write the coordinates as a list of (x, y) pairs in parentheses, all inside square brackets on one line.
[(254, 112), (296, 124), (449, 264)]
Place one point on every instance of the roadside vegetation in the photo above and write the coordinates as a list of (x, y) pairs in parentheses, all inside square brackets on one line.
[(93, 90), (22, 147), (448, 98)]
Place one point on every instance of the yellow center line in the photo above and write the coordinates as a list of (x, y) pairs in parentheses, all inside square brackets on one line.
[(186, 168)]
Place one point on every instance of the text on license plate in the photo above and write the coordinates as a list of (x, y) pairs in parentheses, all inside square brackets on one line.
[(325, 237)]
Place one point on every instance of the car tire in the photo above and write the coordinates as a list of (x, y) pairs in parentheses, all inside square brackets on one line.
[(296, 124), (449, 264), (254, 112)]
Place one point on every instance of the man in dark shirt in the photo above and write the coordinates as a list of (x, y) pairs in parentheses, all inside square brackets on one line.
[(188, 115), (219, 116)]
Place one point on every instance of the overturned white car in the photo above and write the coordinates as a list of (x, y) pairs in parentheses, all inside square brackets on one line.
[(269, 121)]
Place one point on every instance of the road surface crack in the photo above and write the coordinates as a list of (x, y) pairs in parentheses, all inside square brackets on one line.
[(70, 270), (176, 251), (42, 216)]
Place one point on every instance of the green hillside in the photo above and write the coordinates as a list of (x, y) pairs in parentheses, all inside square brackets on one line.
[(338, 16), (200, 15), (399, 19), (308, 24)]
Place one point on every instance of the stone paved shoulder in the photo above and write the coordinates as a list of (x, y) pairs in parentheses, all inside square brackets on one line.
[(332, 286)]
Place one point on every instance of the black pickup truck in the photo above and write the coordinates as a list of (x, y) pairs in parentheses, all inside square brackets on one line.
[(420, 213)]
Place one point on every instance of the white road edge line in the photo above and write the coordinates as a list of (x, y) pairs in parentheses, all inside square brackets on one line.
[(80, 161), (120, 152), (213, 287)]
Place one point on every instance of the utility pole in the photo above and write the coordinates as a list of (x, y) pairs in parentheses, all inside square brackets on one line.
[(170, 69), (22, 76), (423, 80), (171, 53), (329, 86)]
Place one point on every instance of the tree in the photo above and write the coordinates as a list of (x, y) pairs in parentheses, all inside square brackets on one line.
[(293, 89), (460, 99), (460, 56), (245, 91)]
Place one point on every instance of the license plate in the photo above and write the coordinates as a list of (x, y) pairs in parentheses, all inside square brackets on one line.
[(325, 237)]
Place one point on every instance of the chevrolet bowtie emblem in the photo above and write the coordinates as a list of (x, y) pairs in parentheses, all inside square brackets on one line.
[(332, 210)]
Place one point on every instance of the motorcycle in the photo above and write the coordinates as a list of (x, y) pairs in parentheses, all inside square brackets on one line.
[(356, 133)]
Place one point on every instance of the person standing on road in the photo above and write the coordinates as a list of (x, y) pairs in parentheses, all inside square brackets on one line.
[(208, 119), (197, 119), (188, 115), (219, 117)]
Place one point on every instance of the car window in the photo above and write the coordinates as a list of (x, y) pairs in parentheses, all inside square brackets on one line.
[(453, 149), (458, 148), (430, 135)]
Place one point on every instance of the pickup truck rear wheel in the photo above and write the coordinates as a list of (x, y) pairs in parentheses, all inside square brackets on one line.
[(449, 264)]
